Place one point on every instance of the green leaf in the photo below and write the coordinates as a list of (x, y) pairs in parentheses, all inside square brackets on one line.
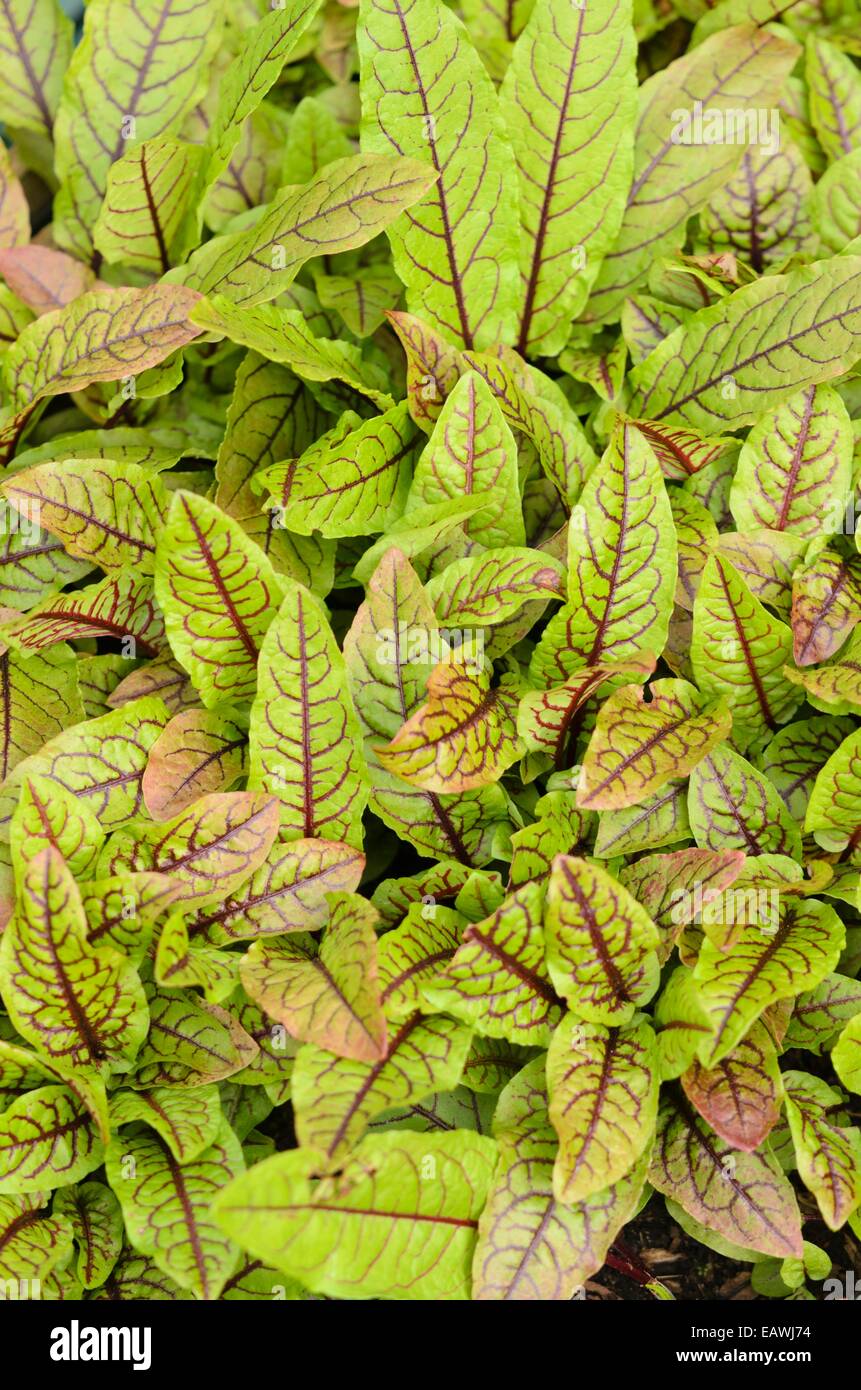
[(835, 97), (410, 956), (425, 94), (828, 1154), (742, 1197), (187, 1120), (834, 809), (486, 589), (335, 1098), (530, 1246), (572, 134), (463, 737), (621, 567), (328, 996), (739, 651), (732, 806), (190, 1044), (603, 1104), (97, 1224), (472, 450), (764, 966), (49, 816), (379, 1228), (600, 943), (33, 1241), (305, 743), (208, 850), (761, 214), (47, 1139), (218, 592), (147, 193), (677, 167), (835, 203), (637, 747), (71, 1002), (846, 1055), (286, 893), (721, 370), (795, 467), (497, 980), (342, 207), (167, 1205), (36, 39)]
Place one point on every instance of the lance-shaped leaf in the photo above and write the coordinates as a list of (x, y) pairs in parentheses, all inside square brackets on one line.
[(739, 651), (621, 566), (834, 88), (14, 215), (48, 815), (426, 94), (32, 1242), (761, 213), (187, 1120), (218, 592), (530, 1246), (828, 1154), (547, 720), (411, 955), (390, 652), (637, 747), (742, 1197), (200, 752), (696, 535), (486, 589), (283, 335), (836, 686), (821, 1013), (210, 849), (342, 207), (765, 560), (846, 1055), (603, 1102), (734, 75), (146, 198), (32, 564), (795, 467), (305, 742), (47, 1140), (732, 806), (472, 450), (105, 335), (497, 981), (681, 453), (835, 203), (439, 882), (36, 39), (754, 349), (286, 894), (740, 1098), (38, 699), (178, 965), (108, 99), (378, 1229), (681, 1024), (72, 1002), (600, 943), (463, 737), (826, 605), (103, 760), (662, 819), (795, 756), (334, 1098), (563, 449), (256, 68), (763, 967), (646, 322), (675, 888), (835, 802), (97, 1224), (104, 512), (357, 485), (190, 1044), (121, 606), (569, 98), (328, 996), (167, 1205)]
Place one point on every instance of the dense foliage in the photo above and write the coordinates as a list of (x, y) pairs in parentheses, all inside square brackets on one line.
[(430, 818)]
